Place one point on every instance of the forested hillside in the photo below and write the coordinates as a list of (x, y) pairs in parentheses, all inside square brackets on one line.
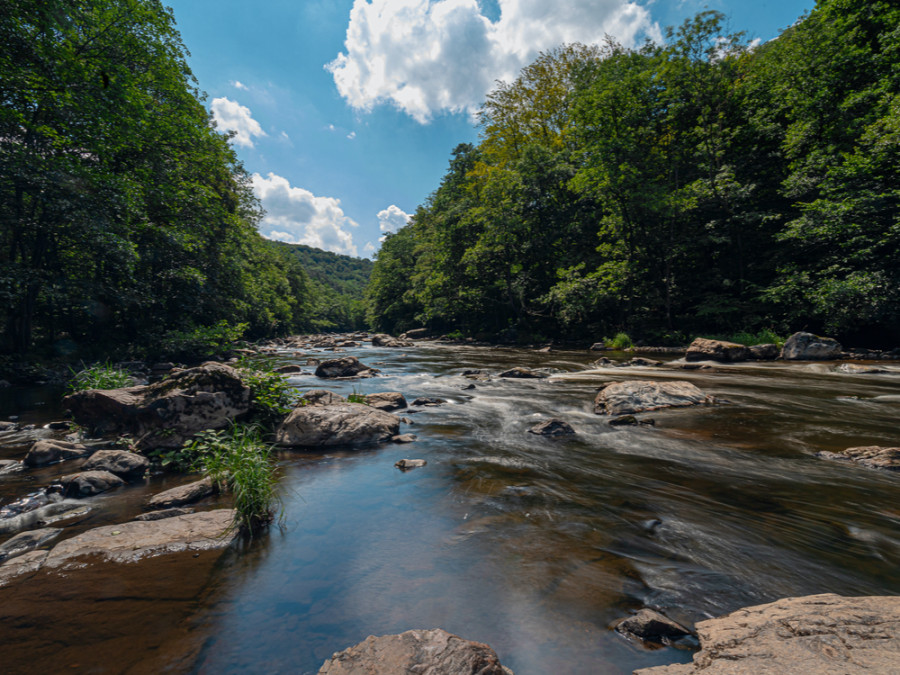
[(706, 185), (126, 218), (339, 284)]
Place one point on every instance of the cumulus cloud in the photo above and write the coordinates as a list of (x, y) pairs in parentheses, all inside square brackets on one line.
[(431, 56), (392, 218), (232, 116), (297, 216), (237, 84)]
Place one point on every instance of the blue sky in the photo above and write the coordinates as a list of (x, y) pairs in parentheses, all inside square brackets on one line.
[(346, 111)]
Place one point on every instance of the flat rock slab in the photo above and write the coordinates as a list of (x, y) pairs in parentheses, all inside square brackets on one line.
[(181, 495), (871, 456), (407, 464), (164, 513), (47, 451), (429, 652), (126, 465), (336, 424), (89, 483), (634, 396), (813, 635)]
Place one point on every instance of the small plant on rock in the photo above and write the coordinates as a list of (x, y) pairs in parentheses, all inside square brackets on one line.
[(619, 343), (271, 397), (99, 376)]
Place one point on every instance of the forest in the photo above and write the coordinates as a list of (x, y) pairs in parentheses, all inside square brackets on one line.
[(707, 185)]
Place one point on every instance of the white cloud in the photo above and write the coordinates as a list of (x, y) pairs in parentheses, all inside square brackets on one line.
[(369, 247), (431, 56), (297, 216), (392, 218), (237, 84), (351, 135), (232, 116)]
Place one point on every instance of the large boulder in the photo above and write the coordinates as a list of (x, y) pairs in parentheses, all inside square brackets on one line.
[(384, 340), (818, 634), (89, 483), (634, 396), (126, 465), (871, 456), (766, 352), (336, 424), (430, 652), (809, 347), (50, 451), (349, 366), (702, 349), (387, 401), (167, 413)]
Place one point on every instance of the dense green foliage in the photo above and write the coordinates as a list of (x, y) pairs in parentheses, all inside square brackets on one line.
[(338, 284), (702, 186), (124, 215), (99, 376)]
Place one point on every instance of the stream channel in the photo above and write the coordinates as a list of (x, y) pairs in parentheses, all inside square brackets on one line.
[(531, 544)]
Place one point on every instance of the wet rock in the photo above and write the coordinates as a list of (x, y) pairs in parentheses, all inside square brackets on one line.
[(126, 465), (552, 427), (404, 438), (702, 349), (634, 396), (651, 626), (407, 464), (348, 366), (181, 495), (27, 541), (431, 652), (10, 466), (7, 426), (51, 512), (871, 456), (428, 402), (642, 362), (51, 451), (631, 421), (61, 425), (416, 334), (468, 387), (857, 369), (21, 440), (766, 352), (164, 513), (522, 373), (289, 370), (808, 347), (29, 502), (476, 374), (89, 483), (386, 400), (817, 634), (322, 397), (336, 424), (695, 366), (384, 340), (167, 413), (598, 347)]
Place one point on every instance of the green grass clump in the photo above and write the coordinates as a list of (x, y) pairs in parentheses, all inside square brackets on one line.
[(271, 397), (99, 376), (620, 342)]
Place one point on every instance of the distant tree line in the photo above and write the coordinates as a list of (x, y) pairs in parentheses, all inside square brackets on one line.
[(706, 185)]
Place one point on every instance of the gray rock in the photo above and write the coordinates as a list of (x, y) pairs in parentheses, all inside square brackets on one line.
[(27, 541), (476, 374), (809, 347), (387, 401), (21, 440), (407, 464), (702, 349), (522, 373), (29, 502), (871, 456), (336, 424), (553, 427), (88, 483), (51, 451), (818, 634), (428, 402), (642, 362), (43, 515), (634, 396), (289, 370), (384, 340), (10, 466), (127, 465), (181, 495), (429, 652), (651, 626), (631, 421), (416, 334), (348, 366), (322, 397), (404, 438), (766, 352), (165, 513), (169, 412)]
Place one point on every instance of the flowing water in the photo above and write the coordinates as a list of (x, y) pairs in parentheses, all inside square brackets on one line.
[(531, 544)]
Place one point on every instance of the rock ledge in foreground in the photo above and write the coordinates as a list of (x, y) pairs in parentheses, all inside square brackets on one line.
[(817, 635), (435, 652)]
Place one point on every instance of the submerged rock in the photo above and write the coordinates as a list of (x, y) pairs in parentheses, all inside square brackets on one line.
[(553, 427), (387, 401), (407, 464), (651, 626), (89, 483), (27, 541), (871, 456), (336, 424), (631, 421), (181, 495), (167, 413), (348, 366), (48, 451), (428, 402), (808, 347), (857, 369), (522, 373), (634, 396), (51, 512), (702, 349), (404, 438), (165, 513), (430, 652), (817, 634), (20, 440), (126, 465)]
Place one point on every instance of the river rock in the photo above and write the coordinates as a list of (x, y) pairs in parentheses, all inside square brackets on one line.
[(522, 373), (348, 366), (871, 456), (428, 402), (336, 424), (27, 541), (169, 412), (126, 465), (642, 362), (818, 634), (164, 513), (10, 466), (808, 347), (407, 464), (702, 349), (766, 352), (404, 438), (651, 626), (415, 334), (322, 397), (384, 340), (181, 495), (21, 440), (552, 427), (630, 421), (429, 652), (45, 514), (48, 451), (387, 401), (634, 396), (7, 426), (289, 370), (88, 483)]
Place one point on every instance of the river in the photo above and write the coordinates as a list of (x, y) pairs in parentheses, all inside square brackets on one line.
[(531, 544)]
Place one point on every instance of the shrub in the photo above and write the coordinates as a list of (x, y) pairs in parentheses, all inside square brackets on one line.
[(620, 342), (99, 376), (271, 397)]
